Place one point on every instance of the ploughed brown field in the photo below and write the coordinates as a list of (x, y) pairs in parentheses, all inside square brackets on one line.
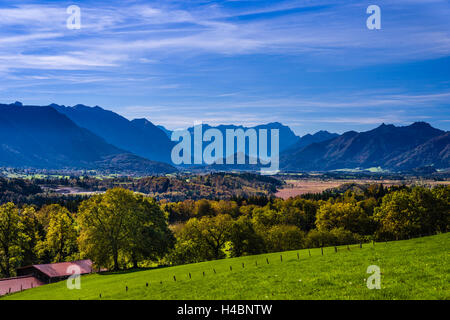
[(298, 187)]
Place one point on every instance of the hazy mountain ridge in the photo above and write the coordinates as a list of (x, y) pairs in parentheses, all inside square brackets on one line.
[(387, 146), (138, 136), (43, 138), (309, 139), (54, 137), (434, 152), (287, 137)]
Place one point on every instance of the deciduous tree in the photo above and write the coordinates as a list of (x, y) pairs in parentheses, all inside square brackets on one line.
[(345, 215), (121, 226), (61, 238), (11, 253)]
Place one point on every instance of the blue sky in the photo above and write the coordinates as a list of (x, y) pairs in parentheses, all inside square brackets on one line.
[(310, 64)]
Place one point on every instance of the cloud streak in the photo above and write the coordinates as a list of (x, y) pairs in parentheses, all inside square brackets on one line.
[(325, 30), (175, 61)]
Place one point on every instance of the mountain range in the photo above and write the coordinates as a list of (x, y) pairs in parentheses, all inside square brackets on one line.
[(138, 136), (82, 137), (287, 136), (287, 139), (43, 138), (387, 146)]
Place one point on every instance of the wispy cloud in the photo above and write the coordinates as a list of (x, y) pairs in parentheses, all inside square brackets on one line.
[(326, 29), (177, 61)]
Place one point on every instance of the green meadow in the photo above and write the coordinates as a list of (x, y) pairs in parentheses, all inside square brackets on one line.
[(410, 269)]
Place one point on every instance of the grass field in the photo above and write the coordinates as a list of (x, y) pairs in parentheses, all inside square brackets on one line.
[(410, 269)]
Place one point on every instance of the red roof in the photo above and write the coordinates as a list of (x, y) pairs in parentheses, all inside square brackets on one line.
[(10, 285), (61, 269)]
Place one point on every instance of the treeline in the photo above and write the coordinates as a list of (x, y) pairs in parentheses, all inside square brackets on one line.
[(10, 189), (117, 229), (33, 192), (122, 229), (38, 191), (217, 229), (209, 186)]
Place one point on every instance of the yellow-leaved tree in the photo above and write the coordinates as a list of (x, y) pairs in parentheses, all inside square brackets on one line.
[(120, 226), (10, 235), (60, 243)]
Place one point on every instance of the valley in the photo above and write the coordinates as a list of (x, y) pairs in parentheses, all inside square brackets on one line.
[(298, 187)]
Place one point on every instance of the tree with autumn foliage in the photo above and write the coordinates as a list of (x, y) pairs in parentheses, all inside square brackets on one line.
[(120, 226), (60, 242), (10, 234)]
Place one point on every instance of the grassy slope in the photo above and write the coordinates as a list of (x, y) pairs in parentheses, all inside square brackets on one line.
[(411, 269)]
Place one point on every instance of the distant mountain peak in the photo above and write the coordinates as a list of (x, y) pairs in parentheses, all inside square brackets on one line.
[(80, 106), (385, 126), (350, 133), (421, 124), (324, 133), (17, 104), (386, 146), (139, 137), (275, 124), (43, 137), (417, 124)]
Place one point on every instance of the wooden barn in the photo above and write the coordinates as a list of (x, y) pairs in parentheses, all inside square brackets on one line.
[(39, 274)]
